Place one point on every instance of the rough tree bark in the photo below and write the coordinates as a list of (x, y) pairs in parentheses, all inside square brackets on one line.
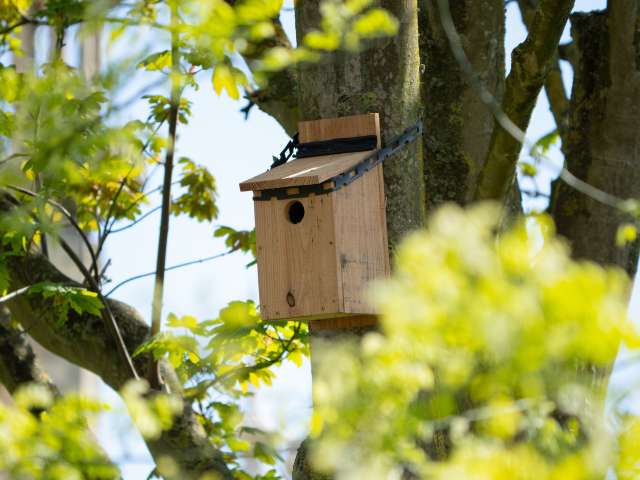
[(603, 140), (18, 363), (383, 78), (458, 125)]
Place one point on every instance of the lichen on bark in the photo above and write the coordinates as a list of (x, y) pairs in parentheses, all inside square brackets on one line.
[(458, 124), (603, 140)]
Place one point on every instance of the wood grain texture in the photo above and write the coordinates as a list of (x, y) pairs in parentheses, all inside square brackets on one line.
[(304, 171), (361, 237), (342, 127), (297, 259)]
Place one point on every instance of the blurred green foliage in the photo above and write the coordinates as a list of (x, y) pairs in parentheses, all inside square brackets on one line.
[(491, 362)]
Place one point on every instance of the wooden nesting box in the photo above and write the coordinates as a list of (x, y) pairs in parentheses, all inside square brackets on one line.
[(319, 242)]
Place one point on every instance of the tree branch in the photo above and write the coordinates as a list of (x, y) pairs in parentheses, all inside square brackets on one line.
[(529, 67), (84, 340), (603, 148), (553, 84)]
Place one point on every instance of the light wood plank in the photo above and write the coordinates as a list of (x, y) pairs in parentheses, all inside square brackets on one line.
[(361, 237), (304, 171), (297, 259), (340, 323), (342, 127)]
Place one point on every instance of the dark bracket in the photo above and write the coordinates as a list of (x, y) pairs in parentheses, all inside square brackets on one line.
[(336, 183)]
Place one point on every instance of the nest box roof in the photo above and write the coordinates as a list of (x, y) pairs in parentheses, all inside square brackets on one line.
[(316, 170)]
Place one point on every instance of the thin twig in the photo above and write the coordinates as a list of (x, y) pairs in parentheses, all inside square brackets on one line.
[(136, 221), (109, 222), (252, 368), (107, 315), (70, 219), (168, 269), (158, 289), (14, 294)]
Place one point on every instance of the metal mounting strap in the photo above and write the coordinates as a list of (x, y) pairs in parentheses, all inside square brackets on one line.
[(337, 145), (337, 182)]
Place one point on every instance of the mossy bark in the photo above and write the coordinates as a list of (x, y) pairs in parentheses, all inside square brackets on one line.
[(603, 139), (383, 77), (458, 125)]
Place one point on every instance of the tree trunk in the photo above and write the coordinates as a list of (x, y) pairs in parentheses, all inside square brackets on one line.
[(603, 140), (458, 125)]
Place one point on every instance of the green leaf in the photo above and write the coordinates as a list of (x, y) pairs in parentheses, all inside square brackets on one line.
[(64, 297), (199, 199), (296, 357), (528, 169), (156, 61), (627, 233), (237, 240), (228, 78), (376, 22), (544, 143)]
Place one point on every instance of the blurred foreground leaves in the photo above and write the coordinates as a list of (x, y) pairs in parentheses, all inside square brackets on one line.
[(491, 361)]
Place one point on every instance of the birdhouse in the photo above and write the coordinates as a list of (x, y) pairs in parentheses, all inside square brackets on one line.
[(321, 233)]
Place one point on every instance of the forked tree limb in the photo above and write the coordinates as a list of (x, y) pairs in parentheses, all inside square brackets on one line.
[(603, 147), (530, 63)]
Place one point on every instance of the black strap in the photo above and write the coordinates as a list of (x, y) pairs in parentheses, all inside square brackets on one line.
[(286, 153), (370, 161), (337, 145)]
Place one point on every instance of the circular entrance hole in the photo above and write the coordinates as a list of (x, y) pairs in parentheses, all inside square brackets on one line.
[(295, 212)]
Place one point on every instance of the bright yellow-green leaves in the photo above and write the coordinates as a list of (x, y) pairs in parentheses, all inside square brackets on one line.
[(224, 359), (199, 197), (626, 233), (491, 339), (42, 437), (63, 298), (55, 445), (227, 78), (348, 24)]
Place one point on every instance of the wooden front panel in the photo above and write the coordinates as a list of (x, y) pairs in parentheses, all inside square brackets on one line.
[(297, 270), (342, 127), (361, 236)]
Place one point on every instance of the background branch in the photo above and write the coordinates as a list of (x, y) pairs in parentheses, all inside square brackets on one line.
[(530, 64)]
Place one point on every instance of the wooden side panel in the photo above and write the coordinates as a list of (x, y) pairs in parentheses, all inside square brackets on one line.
[(304, 171), (297, 270), (342, 127), (361, 237)]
